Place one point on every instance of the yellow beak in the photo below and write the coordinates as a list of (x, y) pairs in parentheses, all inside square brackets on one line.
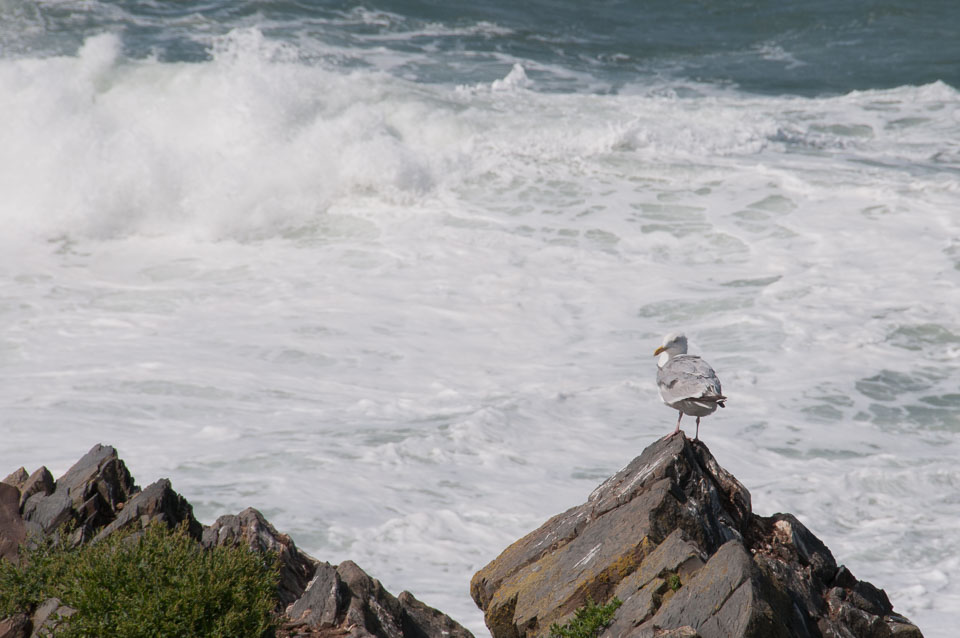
[(658, 350)]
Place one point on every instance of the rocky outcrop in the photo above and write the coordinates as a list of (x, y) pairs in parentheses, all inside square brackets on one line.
[(251, 529), (97, 497), (158, 503), (30, 484), (673, 536), (88, 496), (345, 596)]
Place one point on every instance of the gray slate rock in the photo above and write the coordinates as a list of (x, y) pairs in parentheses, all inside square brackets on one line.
[(733, 588), (101, 473), (586, 551), (346, 601), (321, 603), (370, 608), (88, 494), (47, 512), (422, 621), (644, 589), (673, 536), (251, 529), (158, 503), (40, 482)]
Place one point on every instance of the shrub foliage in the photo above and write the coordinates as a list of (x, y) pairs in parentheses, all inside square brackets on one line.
[(588, 621), (151, 583), (673, 581)]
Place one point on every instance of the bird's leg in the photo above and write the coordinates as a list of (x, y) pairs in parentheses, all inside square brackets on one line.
[(677, 430), (697, 436)]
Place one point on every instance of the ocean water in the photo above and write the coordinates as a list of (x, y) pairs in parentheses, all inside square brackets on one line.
[(393, 272)]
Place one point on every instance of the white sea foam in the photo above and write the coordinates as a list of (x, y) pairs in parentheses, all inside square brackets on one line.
[(411, 322), (516, 79)]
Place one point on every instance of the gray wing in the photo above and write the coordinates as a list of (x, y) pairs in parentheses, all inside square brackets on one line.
[(688, 377)]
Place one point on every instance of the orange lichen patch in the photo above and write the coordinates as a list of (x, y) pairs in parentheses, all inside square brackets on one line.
[(521, 554), (601, 586), (547, 590), (499, 617)]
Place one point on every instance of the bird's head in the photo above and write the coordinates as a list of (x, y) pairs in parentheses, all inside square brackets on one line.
[(673, 344)]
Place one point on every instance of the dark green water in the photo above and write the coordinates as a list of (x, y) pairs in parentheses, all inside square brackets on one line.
[(763, 46)]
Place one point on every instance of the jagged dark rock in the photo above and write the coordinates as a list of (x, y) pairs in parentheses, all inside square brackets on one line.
[(345, 600), (99, 497), (321, 602), (422, 621), (674, 537), (251, 529), (40, 482), (158, 503), (88, 495)]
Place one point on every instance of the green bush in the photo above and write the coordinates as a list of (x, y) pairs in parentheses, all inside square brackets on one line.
[(155, 583), (588, 621), (673, 581)]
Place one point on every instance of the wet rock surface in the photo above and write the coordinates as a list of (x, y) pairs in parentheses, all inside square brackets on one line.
[(673, 536)]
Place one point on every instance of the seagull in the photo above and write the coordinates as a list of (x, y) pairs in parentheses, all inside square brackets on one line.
[(686, 382)]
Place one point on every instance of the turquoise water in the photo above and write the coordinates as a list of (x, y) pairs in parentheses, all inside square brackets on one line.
[(768, 47)]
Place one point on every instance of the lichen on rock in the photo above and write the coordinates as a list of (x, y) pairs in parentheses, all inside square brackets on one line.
[(673, 536)]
